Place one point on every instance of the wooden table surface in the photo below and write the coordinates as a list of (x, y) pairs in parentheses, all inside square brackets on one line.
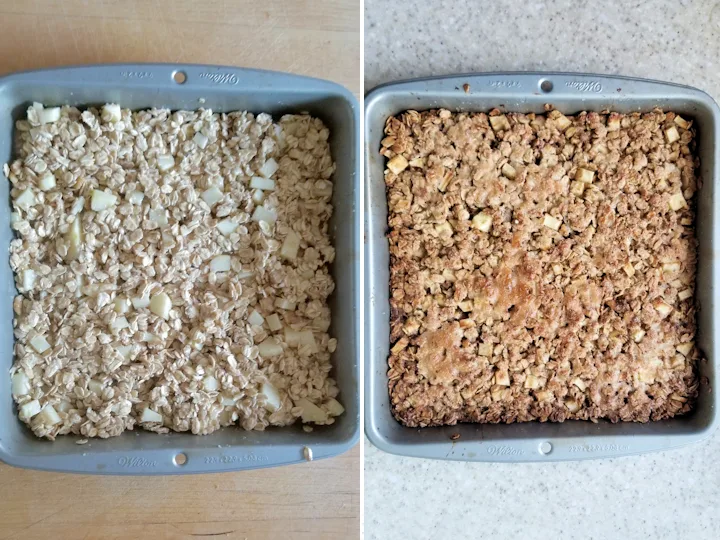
[(318, 500)]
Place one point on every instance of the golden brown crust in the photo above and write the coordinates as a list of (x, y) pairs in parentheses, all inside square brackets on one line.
[(542, 267)]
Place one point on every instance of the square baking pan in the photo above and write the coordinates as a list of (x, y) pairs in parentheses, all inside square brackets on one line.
[(222, 89), (536, 441)]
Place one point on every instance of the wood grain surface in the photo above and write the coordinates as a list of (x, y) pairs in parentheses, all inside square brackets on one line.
[(318, 500)]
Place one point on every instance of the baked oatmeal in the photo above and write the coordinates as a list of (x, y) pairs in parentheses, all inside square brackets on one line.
[(173, 271), (542, 267)]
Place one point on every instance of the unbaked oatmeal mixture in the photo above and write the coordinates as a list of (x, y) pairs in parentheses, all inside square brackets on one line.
[(542, 266), (172, 270)]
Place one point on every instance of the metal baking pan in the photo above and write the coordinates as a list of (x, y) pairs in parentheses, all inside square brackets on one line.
[(535, 441), (221, 89)]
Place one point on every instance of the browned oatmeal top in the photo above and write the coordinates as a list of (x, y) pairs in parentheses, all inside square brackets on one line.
[(542, 266)]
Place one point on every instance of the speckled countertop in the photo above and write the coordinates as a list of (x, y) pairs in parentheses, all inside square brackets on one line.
[(669, 495)]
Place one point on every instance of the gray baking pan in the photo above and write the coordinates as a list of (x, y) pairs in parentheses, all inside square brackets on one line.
[(535, 441), (222, 89)]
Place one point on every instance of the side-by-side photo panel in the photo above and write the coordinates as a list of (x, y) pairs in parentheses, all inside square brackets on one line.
[(539, 270)]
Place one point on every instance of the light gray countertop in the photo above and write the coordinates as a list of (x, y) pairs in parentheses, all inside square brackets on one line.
[(671, 495)]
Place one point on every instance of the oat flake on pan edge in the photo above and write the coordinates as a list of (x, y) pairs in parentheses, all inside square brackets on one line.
[(173, 271)]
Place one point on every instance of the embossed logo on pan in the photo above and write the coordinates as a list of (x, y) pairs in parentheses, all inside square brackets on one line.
[(220, 78), (249, 458), (135, 462), (585, 86), (504, 84), (504, 450), (590, 448), (136, 75)]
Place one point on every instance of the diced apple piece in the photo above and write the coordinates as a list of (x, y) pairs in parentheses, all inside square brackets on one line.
[(398, 164), (49, 116), (572, 405), (200, 140), (140, 302), (638, 335), (20, 384), (579, 383), (671, 267), (482, 222), (49, 416), (242, 274), (444, 229), (400, 345), (74, 239), (119, 323), (284, 303), (499, 123), (47, 181), (307, 339), (30, 409), (122, 305), (543, 395), (63, 406), (485, 349), (221, 263), (418, 162), (258, 196), (150, 416), (662, 308), (562, 122), (135, 197), (255, 318), (112, 112), (272, 397), (551, 222), (226, 227), (149, 337), (40, 344), (677, 201), (212, 196), (585, 176), (629, 269), (292, 337), (211, 384), (263, 214), (532, 382), (678, 361), (159, 216), (274, 322), (310, 411), (290, 246), (466, 306), (25, 200), (28, 279), (96, 387), (684, 295), (102, 200), (258, 182), (672, 134), (508, 171), (502, 377), (269, 348), (165, 162), (685, 348), (577, 188), (227, 401), (334, 407), (269, 168), (124, 350), (160, 305), (680, 121)]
